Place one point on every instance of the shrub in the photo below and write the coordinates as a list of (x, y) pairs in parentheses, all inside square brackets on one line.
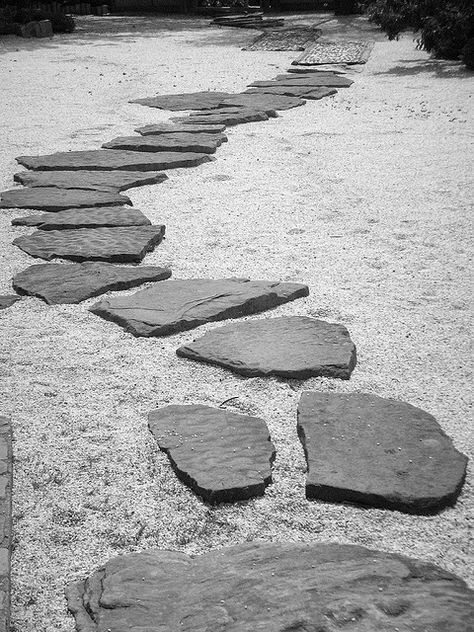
[(468, 54)]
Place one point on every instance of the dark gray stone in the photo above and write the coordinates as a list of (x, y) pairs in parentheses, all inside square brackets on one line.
[(310, 81), (178, 304), (271, 587), (186, 101), (291, 346), (72, 283), (90, 180), (168, 128), (308, 93), (224, 116), (204, 143), (7, 300), (221, 456), (85, 218), (52, 199), (122, 245), (379, 452), (263, 101), (5, 521)]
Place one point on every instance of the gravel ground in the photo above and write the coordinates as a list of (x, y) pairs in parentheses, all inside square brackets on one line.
[(364, 196)]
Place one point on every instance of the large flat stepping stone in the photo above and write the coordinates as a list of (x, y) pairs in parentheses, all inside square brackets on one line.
[(58, 283), (179, 305), (124, 244), (90, 180), (378, 452), (5, 520), (168, 128), (224, 116), (271, 587), (311, 81), (308, 93), (85, 218), (263, 101), (52, 199), (335, 53), (180, 142), (111, 160), (221, 456), (186, 101), (7, 300), (291, 346)]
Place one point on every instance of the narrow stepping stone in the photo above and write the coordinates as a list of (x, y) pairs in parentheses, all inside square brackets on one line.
[(312, 81), (225, 117), (221, 456), (126, 244), (111, 159), (167, 142), (90, 180), (58, 283), (378, 452), (7, 300), (263, 101), (6, 520), (167, 128), (85, 218), (291, 346), (307, 70), (300, 587), (179, 305), (186, 101), (308, 93), (52, 199)]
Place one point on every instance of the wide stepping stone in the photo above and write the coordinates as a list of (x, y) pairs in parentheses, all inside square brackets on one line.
[(168, 128), (52, 199), (308, 93), (221, 456), (6, 520), (85, 218), (291, 346), (58, 283), (378, 452), (224, 116), (180, 142), (179, 305), (111, 160), (311, 81), (294, 587), (263, 101), (91, 180), (7, 300), (125, 244), (186, 101)]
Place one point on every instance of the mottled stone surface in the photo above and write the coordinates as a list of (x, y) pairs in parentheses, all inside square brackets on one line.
[(263, 101), (271, 587), (7, 300), (85, 218), (178, 305), (90, 180), (297, 91), (169, 128), (181, 141), (72, 283), (343, 52), (186, 101), (310, 81), (52, 199), (122, 245), (291, 346), (5, 521), (379, 452), (224, 116), (220, 455)]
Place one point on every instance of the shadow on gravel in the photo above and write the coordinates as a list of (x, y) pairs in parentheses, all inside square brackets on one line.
[(443, 69)]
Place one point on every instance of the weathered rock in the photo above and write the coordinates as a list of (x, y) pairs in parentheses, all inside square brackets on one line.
[(111, 159), (342, 52), (90, 180), (221, 456), (291, 346), (307, 70), (124, 244), (5, 520), (168, 128), (311, 81), (85, 218), (204, 143), (263, 101), (224, 116), (186, 101), (7, 300), (379, 452), (52, 199), (178, 304), (72, 283), (271, 587), (296, 91)]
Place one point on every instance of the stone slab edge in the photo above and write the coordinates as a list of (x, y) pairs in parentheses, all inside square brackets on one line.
[(6, 481)]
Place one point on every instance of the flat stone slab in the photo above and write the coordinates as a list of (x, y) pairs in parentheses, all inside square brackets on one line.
[(111, 160), (5, 520), (85, 218), (58, 283), (90, 180), (224, 116), (179, 305), (220, 455), (308, 93), (204, 143), (291, 346), (7, 300), (311, 81), (294, 38), (168, 128), (263, 101), (122, 245), (271, 587), (378, 452), (185, 101), (52, 199), (335, 53)]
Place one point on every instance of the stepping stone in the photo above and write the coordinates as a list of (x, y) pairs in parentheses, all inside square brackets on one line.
[(58, 283), (186, 101), (284, 587), (291, 346), (5, 520), (221, 456), (111, 160), (229, 117), (167, 128), (121, 245), (296, 38), (85, 218), (335, 53), (90, 180), (180, 142), (312, 81), (179, 305), (263, 101), (7, 300), (52, 199), (307, 93), (378, 452), (307, 70)]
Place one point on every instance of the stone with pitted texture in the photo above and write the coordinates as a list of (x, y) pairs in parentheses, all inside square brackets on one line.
[(52, 199), (90, 180), (224, 116), (296, 91), (181, 141), (85, 218), (263, 101), (169, 128), (186, 101), (310, 81), (5, 521), (7, 300)]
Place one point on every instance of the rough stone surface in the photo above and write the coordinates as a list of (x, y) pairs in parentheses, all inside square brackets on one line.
[(169, 128), (178, 305), (90, 180), (5, 521), (72, 283), (379, 452), (311, 81), (263, 101), (124, 244), (222, 456), (291, 346), (296, 91), (271, 587), (294, 38), (111, 160), (342, 52), (7, 300), (224, 116), (186, 101), (85, 218), (181, 141), (53, 199)]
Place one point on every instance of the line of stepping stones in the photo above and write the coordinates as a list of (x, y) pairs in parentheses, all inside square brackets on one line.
[(359, 448)]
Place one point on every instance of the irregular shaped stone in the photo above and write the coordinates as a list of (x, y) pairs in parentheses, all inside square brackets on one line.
[(342, 52), (124, 244), (311, 81), (221, 456), (308, 93), (58, 283), (263, 101), (291, 346), (90, 180), (379, 452), (85, 218), (180, 142), (179, 305), (111, 159), (6, 468), (224, 116), (7, 300), (271, 587), (297, 38), (168, 128), (52, 199), (186, 101)]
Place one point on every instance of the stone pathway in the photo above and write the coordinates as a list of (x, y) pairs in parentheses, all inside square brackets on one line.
[(90, 180), (52, 199), (85, 218)]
